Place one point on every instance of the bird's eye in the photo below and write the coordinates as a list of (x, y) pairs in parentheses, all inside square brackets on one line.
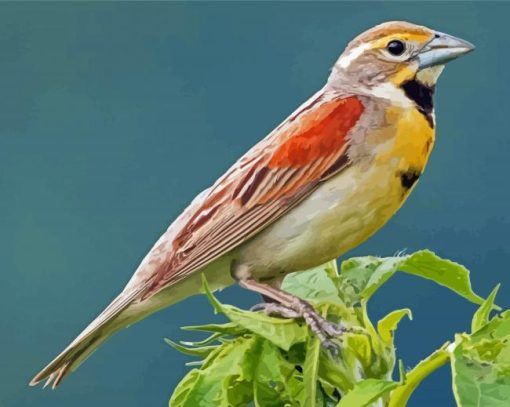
[(396, 47)]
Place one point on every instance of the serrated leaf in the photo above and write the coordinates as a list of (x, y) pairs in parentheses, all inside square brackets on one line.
[(481, 316), (366, 392), (224, 379), (444, 272), (249, 368), (497, 328), (366, 274), (390, 322), (265, 361)]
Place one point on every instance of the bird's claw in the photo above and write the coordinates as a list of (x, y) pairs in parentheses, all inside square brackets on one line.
[(332, 347), (321, 327)]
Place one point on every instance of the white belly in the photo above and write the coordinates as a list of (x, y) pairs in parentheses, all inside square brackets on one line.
[(339, 215)]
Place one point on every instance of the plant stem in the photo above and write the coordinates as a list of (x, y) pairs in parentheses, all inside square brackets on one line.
[(400, 396)]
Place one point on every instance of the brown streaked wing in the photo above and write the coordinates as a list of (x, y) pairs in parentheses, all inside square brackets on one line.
[(288, 165)]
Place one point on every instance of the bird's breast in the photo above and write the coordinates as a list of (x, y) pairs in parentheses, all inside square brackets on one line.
[(409, 148), (349, 207)]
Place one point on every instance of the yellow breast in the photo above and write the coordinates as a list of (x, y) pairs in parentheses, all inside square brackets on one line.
[(349, 207), (408, 150)]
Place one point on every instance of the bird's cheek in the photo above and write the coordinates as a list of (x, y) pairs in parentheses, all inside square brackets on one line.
[(404, 74)]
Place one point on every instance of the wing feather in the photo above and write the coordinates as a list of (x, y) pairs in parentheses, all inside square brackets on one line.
[(265, 183)]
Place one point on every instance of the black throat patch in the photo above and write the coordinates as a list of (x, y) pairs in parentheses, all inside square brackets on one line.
[(422, 95)]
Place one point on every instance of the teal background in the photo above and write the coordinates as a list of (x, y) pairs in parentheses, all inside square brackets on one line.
[(114, 116)]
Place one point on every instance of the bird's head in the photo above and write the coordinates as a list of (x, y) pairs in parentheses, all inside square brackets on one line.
[(393, 53)]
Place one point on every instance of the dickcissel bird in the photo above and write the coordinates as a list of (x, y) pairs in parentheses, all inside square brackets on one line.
[(321, 183)]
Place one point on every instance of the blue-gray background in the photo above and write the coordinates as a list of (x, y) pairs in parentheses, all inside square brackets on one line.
[(113, 116)]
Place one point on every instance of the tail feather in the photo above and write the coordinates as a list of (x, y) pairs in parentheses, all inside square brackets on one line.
[(98, 331)]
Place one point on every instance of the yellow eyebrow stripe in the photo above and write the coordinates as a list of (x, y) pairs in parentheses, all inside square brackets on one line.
[(382, 42)]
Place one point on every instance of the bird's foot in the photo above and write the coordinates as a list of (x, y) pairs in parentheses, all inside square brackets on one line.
[(324, 329)]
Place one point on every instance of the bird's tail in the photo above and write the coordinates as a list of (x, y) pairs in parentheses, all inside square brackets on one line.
[(98, 331)]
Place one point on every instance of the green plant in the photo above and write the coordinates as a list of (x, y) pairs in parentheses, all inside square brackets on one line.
[(259, 360)]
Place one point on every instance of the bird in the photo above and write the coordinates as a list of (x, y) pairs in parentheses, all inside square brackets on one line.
[(321, 183)]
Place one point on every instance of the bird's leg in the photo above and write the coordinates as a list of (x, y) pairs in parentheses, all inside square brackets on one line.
[(273, 308), (290, 306)]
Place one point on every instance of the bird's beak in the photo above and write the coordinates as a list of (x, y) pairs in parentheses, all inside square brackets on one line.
[(443, 48)]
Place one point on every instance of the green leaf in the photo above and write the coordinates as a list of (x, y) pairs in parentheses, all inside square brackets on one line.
[(389, 323), (481, 365), (400, 395), (366, 392), (402, 371), (478, 383), (212, 299), (442, 271), (359, 352), (315, 285), (275, 382), (311, 370), (328, 389), (224, 379), (331, 269), (202, 351), (481, 317), (284, 333), (498, 327), (224, 329), (281, 331), (362, 276), (185, 390), (249, 368), (336, 373), (271, 362), (206, 341), (376, 357)]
